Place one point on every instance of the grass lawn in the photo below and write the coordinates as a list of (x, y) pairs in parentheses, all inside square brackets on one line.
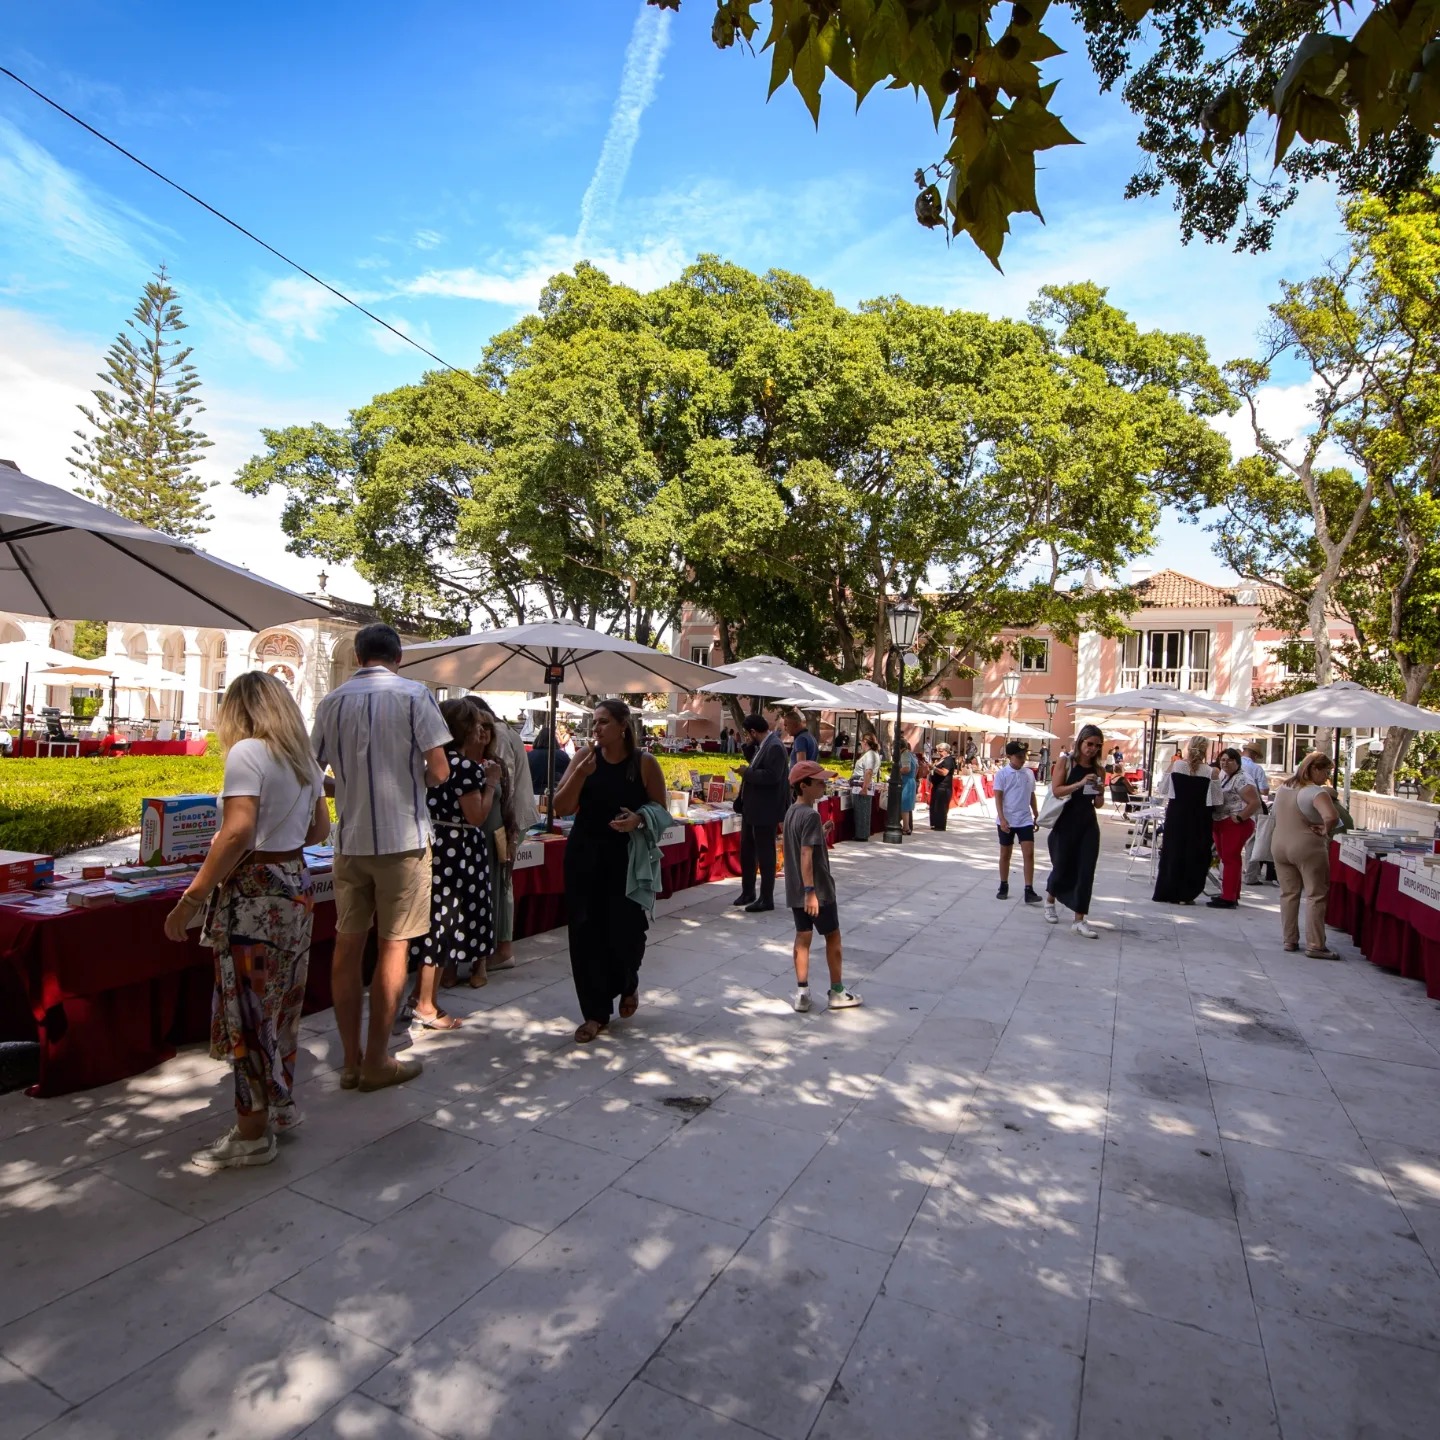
[(55, 806)]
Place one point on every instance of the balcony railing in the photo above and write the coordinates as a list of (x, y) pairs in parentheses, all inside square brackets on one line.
[(1132, 678)]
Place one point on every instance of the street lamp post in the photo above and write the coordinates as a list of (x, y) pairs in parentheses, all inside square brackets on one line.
[(1010, 684), (904, 621), (1052, 704)]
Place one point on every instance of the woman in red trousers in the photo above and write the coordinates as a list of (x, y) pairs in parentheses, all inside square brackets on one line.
[(1234, 825)]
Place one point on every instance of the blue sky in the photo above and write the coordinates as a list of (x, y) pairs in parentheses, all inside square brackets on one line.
[(442, 162)]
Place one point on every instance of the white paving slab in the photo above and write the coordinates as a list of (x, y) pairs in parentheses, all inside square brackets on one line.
[(1173, 1182)]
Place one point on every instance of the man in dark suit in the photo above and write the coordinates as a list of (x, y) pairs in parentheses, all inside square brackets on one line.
[(764, 798)]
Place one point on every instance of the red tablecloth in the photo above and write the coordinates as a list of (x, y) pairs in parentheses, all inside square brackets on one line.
[(1393, 930), (136, 747), (108, 996)]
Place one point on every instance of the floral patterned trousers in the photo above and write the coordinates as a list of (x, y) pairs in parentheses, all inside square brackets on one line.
[(259, 928)]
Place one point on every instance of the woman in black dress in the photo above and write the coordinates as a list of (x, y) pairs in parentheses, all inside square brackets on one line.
[(1185, 847), (942, 783), (604, 788), (1075, 836), (462, 917)]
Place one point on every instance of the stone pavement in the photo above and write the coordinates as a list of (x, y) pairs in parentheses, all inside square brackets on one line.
[(1172, 1182)]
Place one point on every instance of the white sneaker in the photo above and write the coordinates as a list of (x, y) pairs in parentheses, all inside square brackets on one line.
[(286, 1116), (800, 1000), (230, 1151), (843, 999), (1084, 931), (1052, 915)]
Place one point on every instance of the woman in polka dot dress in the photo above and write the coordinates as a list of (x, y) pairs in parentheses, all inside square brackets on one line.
[(462, 912)]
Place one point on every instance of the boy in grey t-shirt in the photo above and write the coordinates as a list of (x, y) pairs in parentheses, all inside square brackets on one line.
[(810, 888)]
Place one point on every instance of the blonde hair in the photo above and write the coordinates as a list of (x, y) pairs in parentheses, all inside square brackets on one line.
[(1197, 750), (1305, 770), (259, 707)]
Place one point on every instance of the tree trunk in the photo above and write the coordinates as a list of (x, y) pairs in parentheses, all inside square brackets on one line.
[(1397, 742)]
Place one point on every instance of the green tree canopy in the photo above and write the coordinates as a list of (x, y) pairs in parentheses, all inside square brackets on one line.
[(1361, 538), (1220, 88), (140, 460), (745, 445)]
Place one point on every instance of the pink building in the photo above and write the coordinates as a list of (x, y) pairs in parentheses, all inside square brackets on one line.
[(1186, 634)]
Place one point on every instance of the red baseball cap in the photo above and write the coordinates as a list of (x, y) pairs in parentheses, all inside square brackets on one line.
[(806, 770)]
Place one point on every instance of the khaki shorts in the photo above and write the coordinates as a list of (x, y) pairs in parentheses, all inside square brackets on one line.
[(392, 890)]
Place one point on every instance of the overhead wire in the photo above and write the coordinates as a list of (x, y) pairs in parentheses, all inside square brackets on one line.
[(234, 224)]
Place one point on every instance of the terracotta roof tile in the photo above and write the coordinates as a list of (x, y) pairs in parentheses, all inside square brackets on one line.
[(1170, 590)]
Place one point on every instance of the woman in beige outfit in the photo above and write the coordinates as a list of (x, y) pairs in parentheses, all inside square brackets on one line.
[(1304, 816)]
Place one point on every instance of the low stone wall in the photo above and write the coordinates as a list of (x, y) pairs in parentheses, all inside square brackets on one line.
[(1384, 812)]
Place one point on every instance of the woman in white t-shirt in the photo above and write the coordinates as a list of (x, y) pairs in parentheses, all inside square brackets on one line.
[(259, 923)]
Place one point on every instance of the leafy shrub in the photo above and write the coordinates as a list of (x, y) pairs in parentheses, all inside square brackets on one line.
[(55, 806)]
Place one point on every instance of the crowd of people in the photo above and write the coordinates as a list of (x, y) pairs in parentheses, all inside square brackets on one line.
[(431, 800)]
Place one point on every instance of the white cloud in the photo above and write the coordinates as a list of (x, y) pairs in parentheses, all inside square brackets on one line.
[(46, 372), (46, 208), (294, 305), (427, 239), (637, 89)]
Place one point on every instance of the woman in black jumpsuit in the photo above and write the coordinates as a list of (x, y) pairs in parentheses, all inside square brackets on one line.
[(604, 788), (1075, 835)]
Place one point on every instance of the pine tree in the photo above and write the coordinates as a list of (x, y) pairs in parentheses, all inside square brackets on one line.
[(140, 459)]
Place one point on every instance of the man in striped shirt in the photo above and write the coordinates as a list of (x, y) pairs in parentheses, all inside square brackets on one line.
[(384, 739)]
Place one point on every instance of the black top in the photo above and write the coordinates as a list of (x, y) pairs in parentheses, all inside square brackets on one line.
[(611, 789), (539, 759), (942, 770)]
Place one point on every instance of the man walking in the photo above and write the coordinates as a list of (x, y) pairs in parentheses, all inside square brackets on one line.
[(803, 745), (1015, 812), (1259, 843), (385, 740), (764, 798)]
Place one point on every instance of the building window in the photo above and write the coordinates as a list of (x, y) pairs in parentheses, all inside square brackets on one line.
[(1177, 659), (1035, 654), (699, 654)]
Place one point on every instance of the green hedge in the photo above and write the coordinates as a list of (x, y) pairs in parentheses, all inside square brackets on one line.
[(55, 806), (677, 768)]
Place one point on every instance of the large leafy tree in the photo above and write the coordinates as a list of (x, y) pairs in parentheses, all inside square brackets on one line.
[(1219, 86), (139, 457), (745, 445), (1359, 538)]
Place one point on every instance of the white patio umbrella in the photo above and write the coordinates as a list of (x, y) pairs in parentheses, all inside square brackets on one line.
[(18, 658), (63, 557), (550, 654), (1154, 701), (766, 677), (541, 705), (121, 671), (1344, 705)]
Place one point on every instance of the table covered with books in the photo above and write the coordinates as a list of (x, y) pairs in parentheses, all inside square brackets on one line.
[(108, 996), (1390, 907)]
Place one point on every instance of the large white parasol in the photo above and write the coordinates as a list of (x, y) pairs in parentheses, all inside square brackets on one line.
[(549, 655), (766, 677), (1155, 701), (1344, 705), (63, 557)]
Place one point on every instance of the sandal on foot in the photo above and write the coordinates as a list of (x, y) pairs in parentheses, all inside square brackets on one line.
[(349, 1077), (629, 1004), (438, 1021), (399, 1072), (588, 1031)]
